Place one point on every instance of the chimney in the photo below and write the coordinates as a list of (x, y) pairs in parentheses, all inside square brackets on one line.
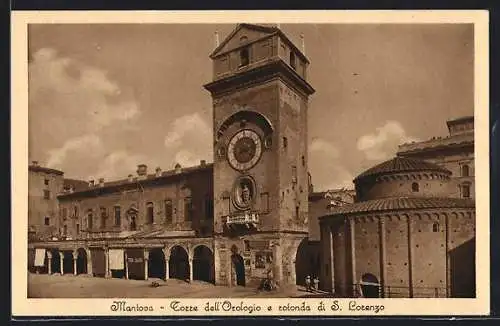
[(216, 39), (178, 168), (101, 182), (91, 183), (142, 171), (158, 172), (203, 163), (303, 43), (35, 163), (130, 178)]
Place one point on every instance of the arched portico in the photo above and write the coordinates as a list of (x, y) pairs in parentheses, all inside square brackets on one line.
[(203, 264)]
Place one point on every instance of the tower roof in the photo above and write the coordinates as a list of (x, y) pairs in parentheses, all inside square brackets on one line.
[(264, 30), (401, 164)]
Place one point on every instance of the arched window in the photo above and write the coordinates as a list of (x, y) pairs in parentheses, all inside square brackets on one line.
[(465, 170), (435, 227), (414, 187), (150, 213), (292, 60), (244, 57)]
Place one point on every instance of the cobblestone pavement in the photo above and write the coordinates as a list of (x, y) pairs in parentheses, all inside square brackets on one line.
[(70, 286)]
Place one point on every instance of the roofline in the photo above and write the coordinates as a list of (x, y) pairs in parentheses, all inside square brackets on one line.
[(44, 169), (170, 174), (272, 30)]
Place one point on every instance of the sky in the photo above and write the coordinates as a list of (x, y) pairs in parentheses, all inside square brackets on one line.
[(104, 98)]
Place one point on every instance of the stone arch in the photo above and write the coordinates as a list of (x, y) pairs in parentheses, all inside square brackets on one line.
[(203, 264), (56, 260), (248, 115), (156, 263), (81, 261), (67, 266), (303, 266), (178, 264)]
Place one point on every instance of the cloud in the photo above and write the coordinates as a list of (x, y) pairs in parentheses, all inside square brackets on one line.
[(326, 166), (77, 111), (383, 143), (120, 164), (189, 131), (86, 143)]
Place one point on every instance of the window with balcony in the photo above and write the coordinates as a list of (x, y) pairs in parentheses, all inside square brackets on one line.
[(149, 213), (168, 211)]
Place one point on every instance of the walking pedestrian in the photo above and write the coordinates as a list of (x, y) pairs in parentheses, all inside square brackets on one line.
[(308, 283)]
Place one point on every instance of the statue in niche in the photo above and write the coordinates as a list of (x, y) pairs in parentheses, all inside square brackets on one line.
[(244, 193)]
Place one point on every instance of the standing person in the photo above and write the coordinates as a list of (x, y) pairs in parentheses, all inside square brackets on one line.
[(308, 283), (316, 283)]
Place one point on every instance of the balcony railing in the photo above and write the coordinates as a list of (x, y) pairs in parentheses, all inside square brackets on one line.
[(245, 218)]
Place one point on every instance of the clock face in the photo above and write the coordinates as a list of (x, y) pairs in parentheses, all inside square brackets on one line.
[(244, 149)]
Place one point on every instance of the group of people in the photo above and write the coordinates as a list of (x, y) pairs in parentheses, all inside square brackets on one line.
[(312, 284)]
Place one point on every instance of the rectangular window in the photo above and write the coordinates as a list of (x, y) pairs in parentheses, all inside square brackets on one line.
[(103, 217), (168, 211), (118, 217), (150, 213), (46, 194), (466, 191), (76, 211), (78, 229), (65, 230), (47, 221), (90, 221), (294, 174), (46, 182), (209, 208), (264, 202), (64, 213), (188, 209)]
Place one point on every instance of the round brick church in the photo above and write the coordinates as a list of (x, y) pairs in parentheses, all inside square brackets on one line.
[(403, 236)]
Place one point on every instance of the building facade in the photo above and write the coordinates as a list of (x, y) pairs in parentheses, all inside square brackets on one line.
[(455, 152), (403, 237), (233, 222)]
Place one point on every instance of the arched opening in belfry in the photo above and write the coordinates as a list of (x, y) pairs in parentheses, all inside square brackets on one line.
[(203, 264), (304, 263), (56, 261), (178, 265), (370, 286), (67, 267), (156, 264), (81, 261)]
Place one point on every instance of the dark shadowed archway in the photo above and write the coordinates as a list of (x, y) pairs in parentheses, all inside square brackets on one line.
[(178, 265), (67, 267), (81, 261), (156, 264), (203, 264), (56, 261), (239, 268), (370, 286), (303, 263)]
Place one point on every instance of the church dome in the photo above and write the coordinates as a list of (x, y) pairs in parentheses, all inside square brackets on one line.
[(401, 164), (402, 177)]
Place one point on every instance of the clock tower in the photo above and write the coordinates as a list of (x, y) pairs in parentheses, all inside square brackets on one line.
[(260, 102)]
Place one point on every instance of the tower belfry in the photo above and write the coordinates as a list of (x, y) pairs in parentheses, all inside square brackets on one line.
[(260, 101)]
